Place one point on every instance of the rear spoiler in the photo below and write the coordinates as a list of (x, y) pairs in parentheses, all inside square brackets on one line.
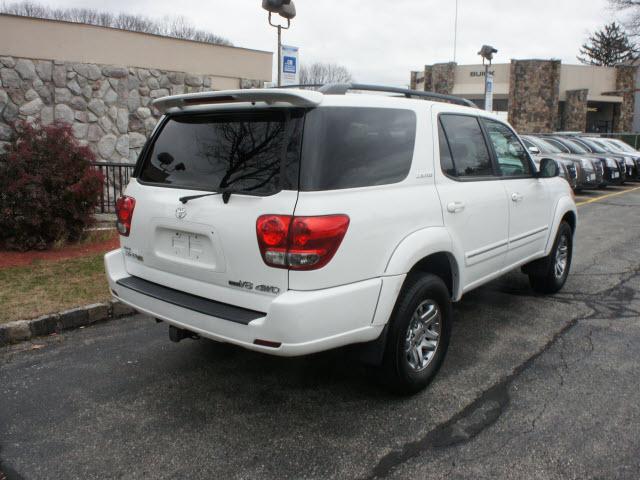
[(294, 97)]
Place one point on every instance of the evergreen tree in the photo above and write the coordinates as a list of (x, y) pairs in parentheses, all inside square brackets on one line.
[(608, 47)]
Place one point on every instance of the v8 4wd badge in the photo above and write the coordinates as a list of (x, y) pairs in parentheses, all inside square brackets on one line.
[(259, 288)]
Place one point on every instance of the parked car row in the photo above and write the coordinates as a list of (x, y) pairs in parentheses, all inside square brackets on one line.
[(587, 162)]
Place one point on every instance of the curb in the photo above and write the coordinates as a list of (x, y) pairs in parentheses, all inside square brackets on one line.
[(23, 330)]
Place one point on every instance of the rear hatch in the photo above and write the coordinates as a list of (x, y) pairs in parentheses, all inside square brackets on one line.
[(207, 245)]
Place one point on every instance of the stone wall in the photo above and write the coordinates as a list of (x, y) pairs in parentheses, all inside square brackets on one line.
[(108, 106), (427, 79), (443, 77), (439, 78), (534, 92), (574, 117), (625, 87)]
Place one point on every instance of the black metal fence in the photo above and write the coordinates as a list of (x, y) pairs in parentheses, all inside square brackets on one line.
[(116, 178)]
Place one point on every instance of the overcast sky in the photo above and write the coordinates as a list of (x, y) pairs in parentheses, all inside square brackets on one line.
[(380, 41)]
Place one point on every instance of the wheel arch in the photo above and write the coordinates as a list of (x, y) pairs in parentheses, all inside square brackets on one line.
[(441, 264), (429, 250), (572, 219), (565, 211)]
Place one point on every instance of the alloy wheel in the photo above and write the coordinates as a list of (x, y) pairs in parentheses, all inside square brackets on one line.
[(561, 257), (423, 335)]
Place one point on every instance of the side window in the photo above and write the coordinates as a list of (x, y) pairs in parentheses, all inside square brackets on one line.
[(557, 144), (467, 146), (446, 162), (511, 156), (528, 144)]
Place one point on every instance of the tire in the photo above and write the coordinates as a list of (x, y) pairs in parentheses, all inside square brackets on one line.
[(407, 372), (548, 278)]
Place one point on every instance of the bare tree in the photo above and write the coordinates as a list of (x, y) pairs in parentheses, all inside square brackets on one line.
[(631, 10), (323, 73), (176, 27)]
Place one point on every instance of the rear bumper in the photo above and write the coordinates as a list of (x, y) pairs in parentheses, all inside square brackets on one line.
[(303, 322)]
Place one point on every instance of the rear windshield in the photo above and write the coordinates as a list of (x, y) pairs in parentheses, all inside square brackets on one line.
[(343, 147), (240, 152)]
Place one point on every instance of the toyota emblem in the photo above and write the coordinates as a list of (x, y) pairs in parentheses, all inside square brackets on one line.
[(181, 212)]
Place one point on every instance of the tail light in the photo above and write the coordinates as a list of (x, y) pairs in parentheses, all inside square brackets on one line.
[(300, 243), (124, 212)]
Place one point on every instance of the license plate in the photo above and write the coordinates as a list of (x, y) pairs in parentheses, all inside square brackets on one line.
[(187, 245), (591, 178), (615, 175)]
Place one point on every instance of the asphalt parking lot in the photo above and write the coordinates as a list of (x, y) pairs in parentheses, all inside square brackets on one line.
[(533, 387)]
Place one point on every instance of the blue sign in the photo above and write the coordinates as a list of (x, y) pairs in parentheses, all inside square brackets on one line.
[(289, 65)]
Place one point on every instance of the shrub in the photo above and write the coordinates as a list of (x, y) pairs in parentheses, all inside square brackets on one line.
[(48, 190)]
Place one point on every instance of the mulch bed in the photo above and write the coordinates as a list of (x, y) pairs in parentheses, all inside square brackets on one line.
[(17, 259)]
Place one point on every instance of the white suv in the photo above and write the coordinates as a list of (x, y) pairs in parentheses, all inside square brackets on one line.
[(291, 221)]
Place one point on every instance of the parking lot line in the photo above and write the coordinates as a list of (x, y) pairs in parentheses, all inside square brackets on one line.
[(606, 196)]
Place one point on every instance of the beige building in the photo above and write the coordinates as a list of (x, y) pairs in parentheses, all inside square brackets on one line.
[(543, 95), (102, 80)]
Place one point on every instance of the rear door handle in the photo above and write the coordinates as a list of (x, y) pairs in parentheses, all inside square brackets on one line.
[(455, 207), (516, 197)]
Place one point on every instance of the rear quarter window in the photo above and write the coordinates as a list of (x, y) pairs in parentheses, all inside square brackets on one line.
[(346, 147)]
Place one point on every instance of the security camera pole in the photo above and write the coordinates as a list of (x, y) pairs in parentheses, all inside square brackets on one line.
[(486, 52), (287, 10)]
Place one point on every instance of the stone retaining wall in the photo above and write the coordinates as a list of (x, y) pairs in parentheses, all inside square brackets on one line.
[(109, 106)]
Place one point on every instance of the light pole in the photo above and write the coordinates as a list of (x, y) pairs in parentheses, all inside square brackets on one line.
[(486, 52), (287, 10), (455, 34)]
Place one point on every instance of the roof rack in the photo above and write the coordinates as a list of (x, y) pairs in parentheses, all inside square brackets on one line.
[(343, 88)]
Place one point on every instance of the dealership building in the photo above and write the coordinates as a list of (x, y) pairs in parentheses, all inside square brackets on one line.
[(544, 95)]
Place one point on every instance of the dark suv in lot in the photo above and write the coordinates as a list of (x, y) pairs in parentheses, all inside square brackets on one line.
[(570, 170), (608, 169), (586, 176), (631, 158)]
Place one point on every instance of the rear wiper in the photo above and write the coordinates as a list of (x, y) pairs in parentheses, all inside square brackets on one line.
[(226, 194)]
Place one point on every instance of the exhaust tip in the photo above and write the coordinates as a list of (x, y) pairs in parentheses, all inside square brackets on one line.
[(177, 334)]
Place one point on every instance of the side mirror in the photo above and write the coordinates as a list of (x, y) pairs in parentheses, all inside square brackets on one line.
[(548, 168), (534, 150)]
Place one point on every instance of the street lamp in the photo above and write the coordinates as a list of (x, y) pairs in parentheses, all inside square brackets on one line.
[(287, 10), (486, 52)]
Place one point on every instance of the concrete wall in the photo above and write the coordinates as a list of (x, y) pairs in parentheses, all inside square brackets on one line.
[(77, 43), (470, 80), (597, 80), (102, 81)]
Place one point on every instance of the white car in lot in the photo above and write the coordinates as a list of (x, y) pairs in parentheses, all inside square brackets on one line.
[(291, 221)]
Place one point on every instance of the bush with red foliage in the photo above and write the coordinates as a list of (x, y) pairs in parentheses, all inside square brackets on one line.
[(48, 189)]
